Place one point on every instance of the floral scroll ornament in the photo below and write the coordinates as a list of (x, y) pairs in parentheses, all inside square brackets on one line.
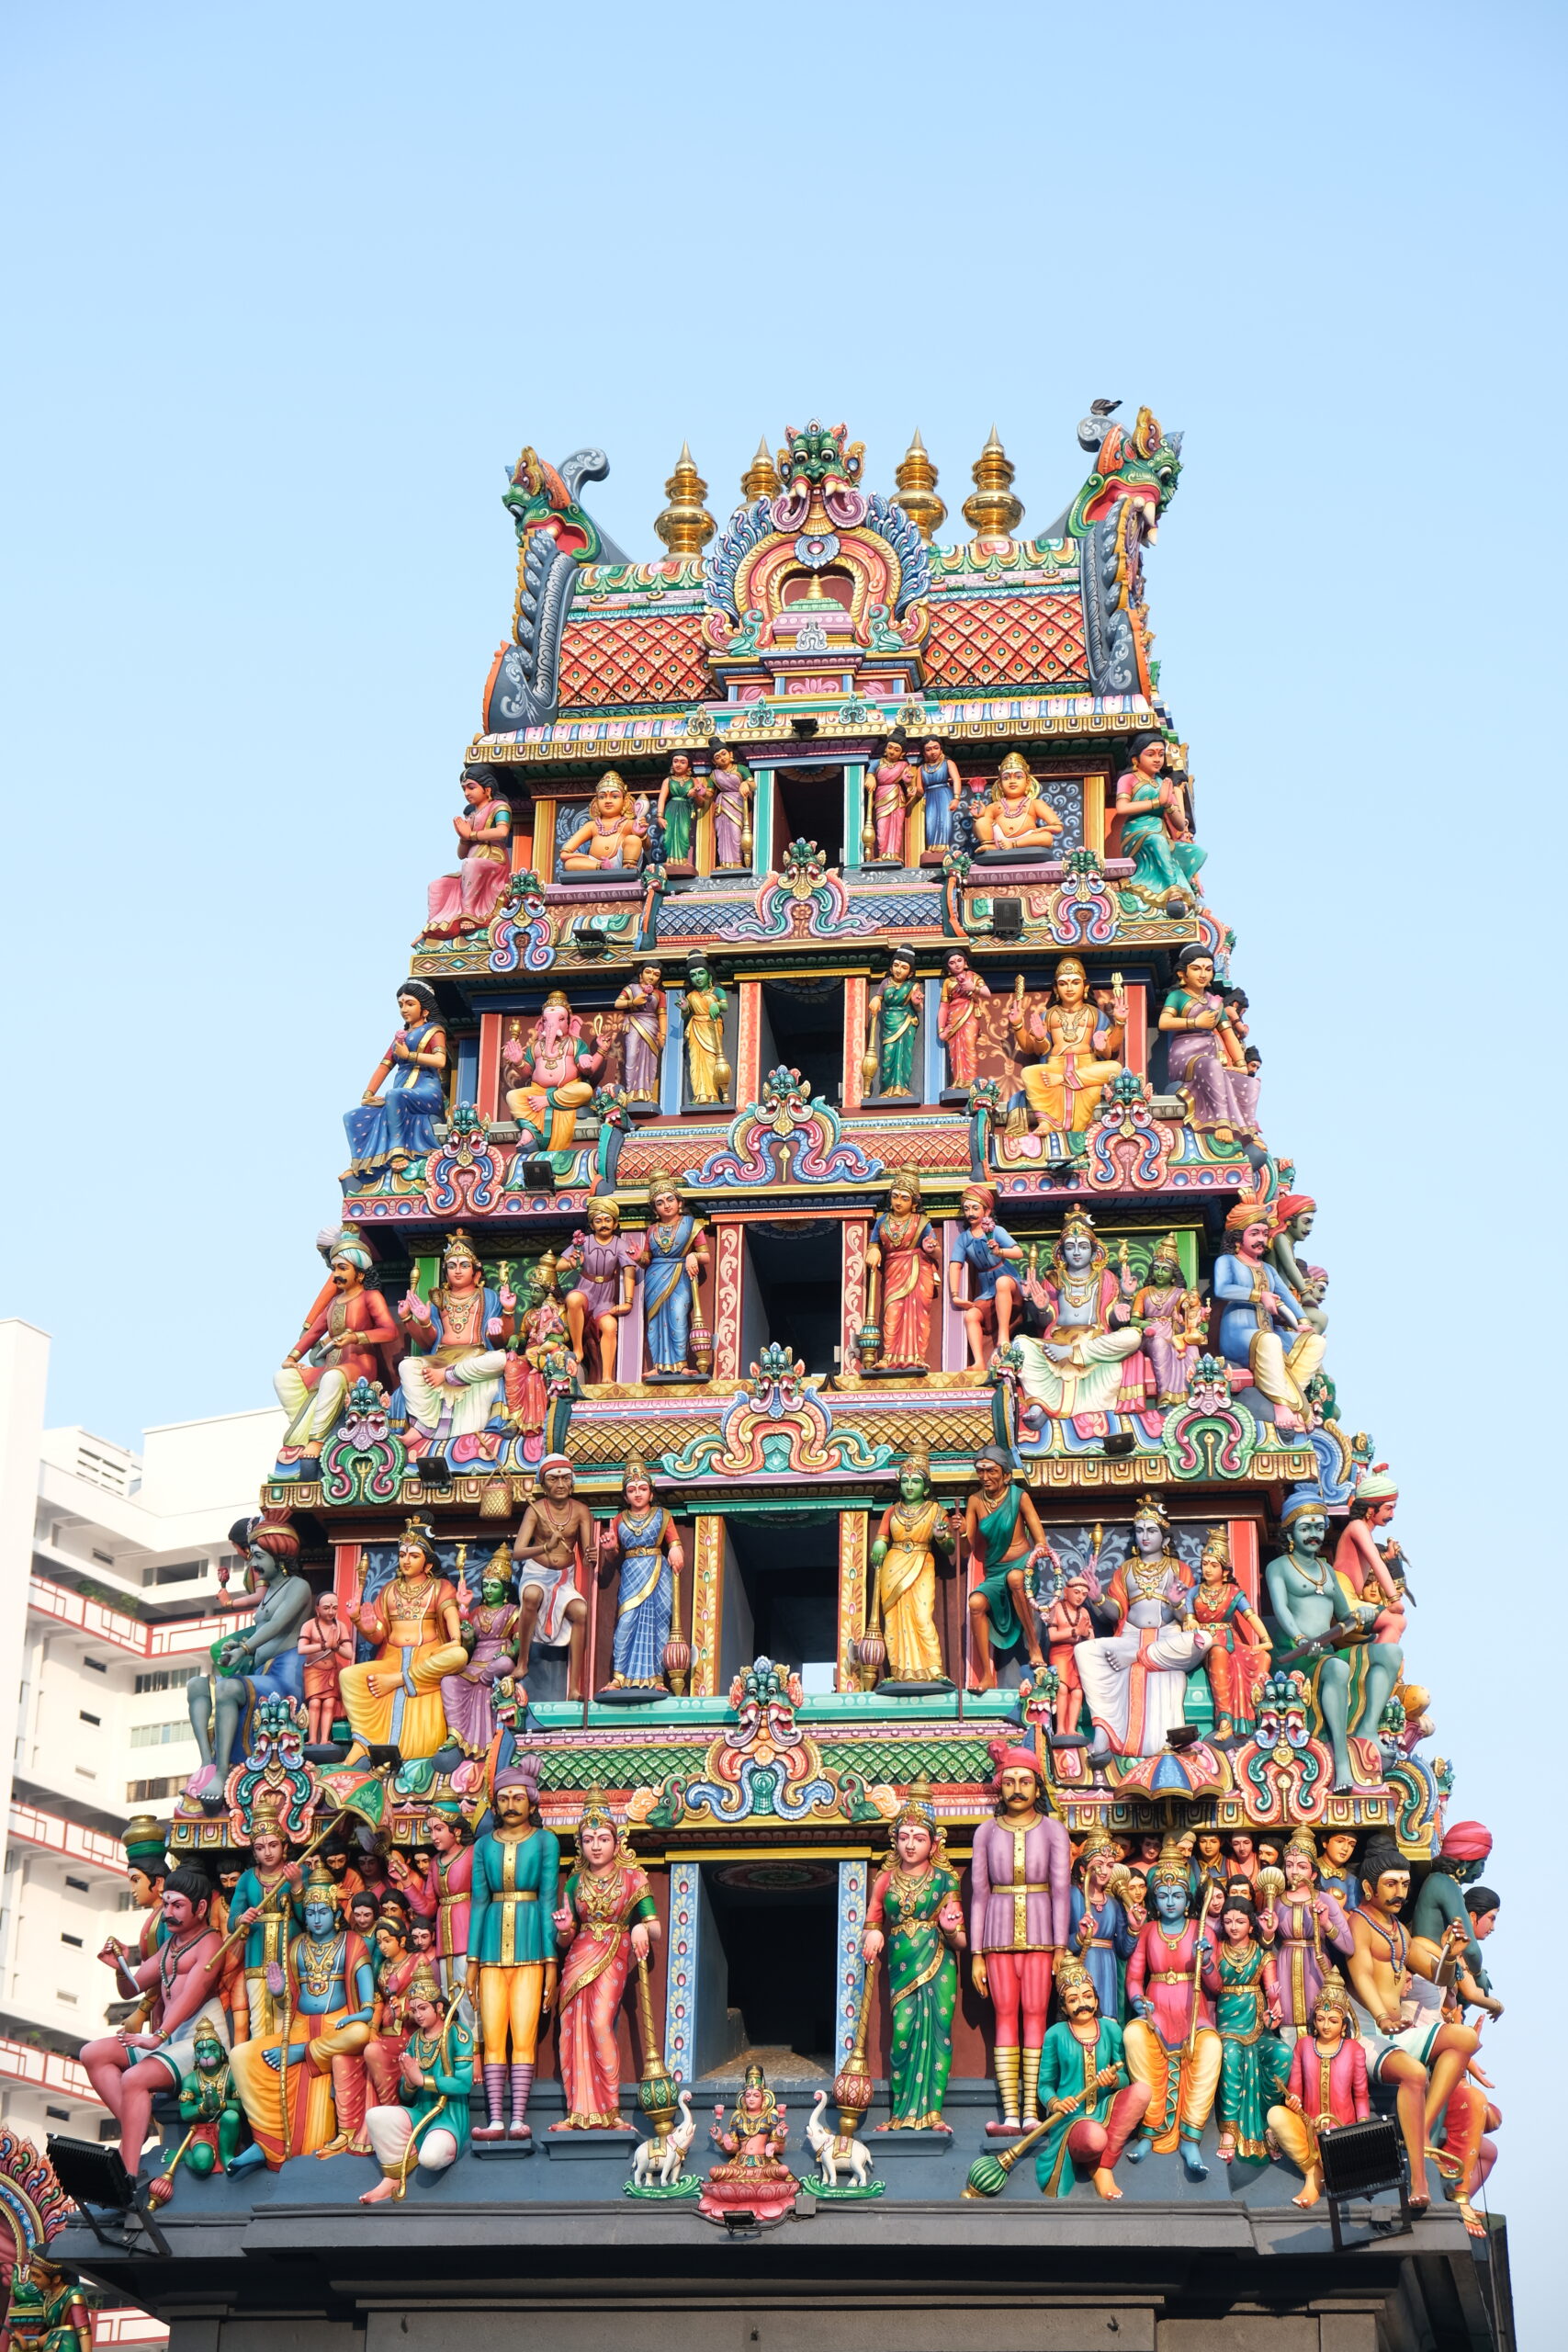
[(776, 1426), (364, 1460), (806, 900), (462, 1175), (1081, 913), (1126, 1144), (763, 1766), (523, 932), (1285, 1773), (1209, 1435), (786, 1137), (274, 1767)]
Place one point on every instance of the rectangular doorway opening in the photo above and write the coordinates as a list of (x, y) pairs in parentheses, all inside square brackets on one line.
[(776, 1924), (803, 1029), (809, 805), (788, 1566), (793, 1293)]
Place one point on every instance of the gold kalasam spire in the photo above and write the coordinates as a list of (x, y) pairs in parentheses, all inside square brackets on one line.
[(760, 479), (685, 526), (916, 478), (992, 509)]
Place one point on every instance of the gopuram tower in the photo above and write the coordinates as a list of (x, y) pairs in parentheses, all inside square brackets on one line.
[(820, 1735)]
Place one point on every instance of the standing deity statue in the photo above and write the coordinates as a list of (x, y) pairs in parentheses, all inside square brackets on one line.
[(891, 786), (675, 810), (1074, 1044), (464, 901), (959, 1017), (393, 1700), (327, 1645), (1309, 1602), (444, 1893), (893, 1031), (990, 1252), (454, 1378), (1208, 1063), (551, 1079), (605, 1266), (511, 1955), (1303, 1925), (542, 1372), (1136, 1679), (1100, 1935), (1256, 1306), (915, 1916), (266, 1902), (903, 1563), (388, 1130), (1154, 827), (1018, 820), (1292, 1217), (727, 791), (1004, 1539), (941, 785), (642, 1537), (612, 837), (555, 1544), (606, 1920), (349, 1335), (646, 1017), (703, 1005), (676, 1262), (1172, 2047), (902, 1258), (1020, 1918), (260, 1660)]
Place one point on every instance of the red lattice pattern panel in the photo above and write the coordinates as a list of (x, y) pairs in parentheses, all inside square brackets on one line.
[(620, 658), (1006, 641)]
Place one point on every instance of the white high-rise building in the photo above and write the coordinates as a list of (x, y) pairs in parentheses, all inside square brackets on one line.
[(109, 1599)]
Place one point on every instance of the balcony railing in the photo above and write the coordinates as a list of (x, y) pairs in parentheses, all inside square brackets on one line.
[(46, 2071), (130, 1635), (68, 1838)]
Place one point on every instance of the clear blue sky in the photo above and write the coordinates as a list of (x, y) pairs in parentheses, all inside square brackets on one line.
[(287, 288)]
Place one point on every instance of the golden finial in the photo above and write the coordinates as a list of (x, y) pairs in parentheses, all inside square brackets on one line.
[(916, 478), (760, 479), (992, 509), (685, 525)]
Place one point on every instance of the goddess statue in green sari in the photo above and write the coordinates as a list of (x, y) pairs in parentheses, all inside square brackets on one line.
[(915, 1916), (1239, 1978)]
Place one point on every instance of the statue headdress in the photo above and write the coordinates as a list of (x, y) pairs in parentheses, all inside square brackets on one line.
[(421, 1986), (1167, 1251), (1300, 1500), (1334, 1993), (1171, 1869), (919, 1807), (1301, 1841), (206, 2029), (318, 1880), (145, 1841), (459, 1244), (1080, 1221), (597, 1815), (1379, 1485), (1071, 1973), (904, 1180)]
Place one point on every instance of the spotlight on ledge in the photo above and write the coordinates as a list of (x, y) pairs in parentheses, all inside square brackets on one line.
[(433, 1471), (534, 1176), (803, 727), (1007, 920)]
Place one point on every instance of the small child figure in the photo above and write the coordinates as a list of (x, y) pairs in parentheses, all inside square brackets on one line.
[(1069, 1623)]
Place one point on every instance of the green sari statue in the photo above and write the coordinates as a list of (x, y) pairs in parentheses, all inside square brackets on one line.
[(1239, 1979), (895, 1015), (915, 1916)]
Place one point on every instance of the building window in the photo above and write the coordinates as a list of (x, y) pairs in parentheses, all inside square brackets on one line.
[(162, 1678), (76, 1941), (82, 1774), (144, 1792), (83, 1717), (98, 1665), (104, 1559), (160, 1734), (177, 1572), (69, 1998), (81, 1884), (57, 2114), (109, 2128)]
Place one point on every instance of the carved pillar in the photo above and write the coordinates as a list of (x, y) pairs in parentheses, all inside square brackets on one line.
[(857, 1231), (854, 1889), (707, 1602), (729, 1268), (748, 1042), (854, 1544), (854, 1038), (681, 1972)]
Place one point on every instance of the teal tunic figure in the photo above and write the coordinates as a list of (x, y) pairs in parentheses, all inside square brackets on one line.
[(448, 2080), (1068, 2068), (511, 1913)]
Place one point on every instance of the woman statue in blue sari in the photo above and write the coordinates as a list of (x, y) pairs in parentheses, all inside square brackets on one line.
[(388, 1130), (1155, 828), (643, 1534), (676, 1259)]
